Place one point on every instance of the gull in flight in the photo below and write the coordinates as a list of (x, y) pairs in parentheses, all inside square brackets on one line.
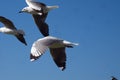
[(9, 28), (57, 49), (39, 12), (113, 78)]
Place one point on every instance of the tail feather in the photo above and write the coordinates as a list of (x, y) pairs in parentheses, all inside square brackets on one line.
[(70, 44), (52, 7), (75, 44)]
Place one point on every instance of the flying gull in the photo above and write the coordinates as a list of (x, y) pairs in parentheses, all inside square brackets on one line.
[(9, 28), (39, 12), (57, 49), (113, 78)]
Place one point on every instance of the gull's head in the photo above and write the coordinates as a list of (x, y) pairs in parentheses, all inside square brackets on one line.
[(25, 9)]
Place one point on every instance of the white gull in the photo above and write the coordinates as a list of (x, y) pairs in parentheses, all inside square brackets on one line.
[(39, 12), (57, 49)]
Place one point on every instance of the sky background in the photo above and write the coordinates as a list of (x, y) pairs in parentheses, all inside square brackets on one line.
[(94, 24)]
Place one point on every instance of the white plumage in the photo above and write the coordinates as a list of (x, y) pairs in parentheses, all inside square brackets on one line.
[(9, 28), (57, 49), (39, 12)]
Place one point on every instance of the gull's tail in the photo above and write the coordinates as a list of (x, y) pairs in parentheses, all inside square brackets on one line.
[(52, 7), (69, 44)]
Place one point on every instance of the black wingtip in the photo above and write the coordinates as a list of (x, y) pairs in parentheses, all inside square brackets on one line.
[(62, 68), (21, 39), (33, 58), (25, 44)]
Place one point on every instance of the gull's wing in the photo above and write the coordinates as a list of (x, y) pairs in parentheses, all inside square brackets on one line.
[(42, 26), (7, 22), (59, 57), (39, 47), (40, 17), (21, 38), (35, 5)]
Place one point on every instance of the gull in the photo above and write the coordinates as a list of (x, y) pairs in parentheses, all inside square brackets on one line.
[(57, 49), (9, 28), (113, 78), (39, 12)]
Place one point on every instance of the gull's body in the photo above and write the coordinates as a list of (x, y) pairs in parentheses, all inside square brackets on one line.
[(9, 28), (39, 12), (57, 49)]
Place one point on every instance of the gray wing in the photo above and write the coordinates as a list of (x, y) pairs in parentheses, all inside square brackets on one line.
[(7, 22), (42, 26), (59, 57), (35, 5)]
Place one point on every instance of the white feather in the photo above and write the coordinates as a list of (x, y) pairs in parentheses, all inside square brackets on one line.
[(40, 46), (32, 4)]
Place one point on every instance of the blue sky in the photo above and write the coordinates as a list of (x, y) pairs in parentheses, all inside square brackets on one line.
[(94, 24)]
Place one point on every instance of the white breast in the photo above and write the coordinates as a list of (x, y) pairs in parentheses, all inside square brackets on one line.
[(7, 30)]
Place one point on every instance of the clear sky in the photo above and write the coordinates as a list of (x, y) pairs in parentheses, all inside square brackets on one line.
[(94, 24)]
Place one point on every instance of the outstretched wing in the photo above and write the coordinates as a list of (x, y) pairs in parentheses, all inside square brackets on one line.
[(42, 26), (38, 48), (59, 57), (7, 22)]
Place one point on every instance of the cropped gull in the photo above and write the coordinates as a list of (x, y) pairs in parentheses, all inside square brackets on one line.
[(113, 78), (9, 28)]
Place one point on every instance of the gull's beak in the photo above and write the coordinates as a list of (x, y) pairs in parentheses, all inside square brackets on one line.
[(20, 12)]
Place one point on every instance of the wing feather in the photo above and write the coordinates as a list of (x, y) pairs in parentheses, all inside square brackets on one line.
[(35, 5), (59, 57), (42, 26), (38, 48), (7, 22)]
